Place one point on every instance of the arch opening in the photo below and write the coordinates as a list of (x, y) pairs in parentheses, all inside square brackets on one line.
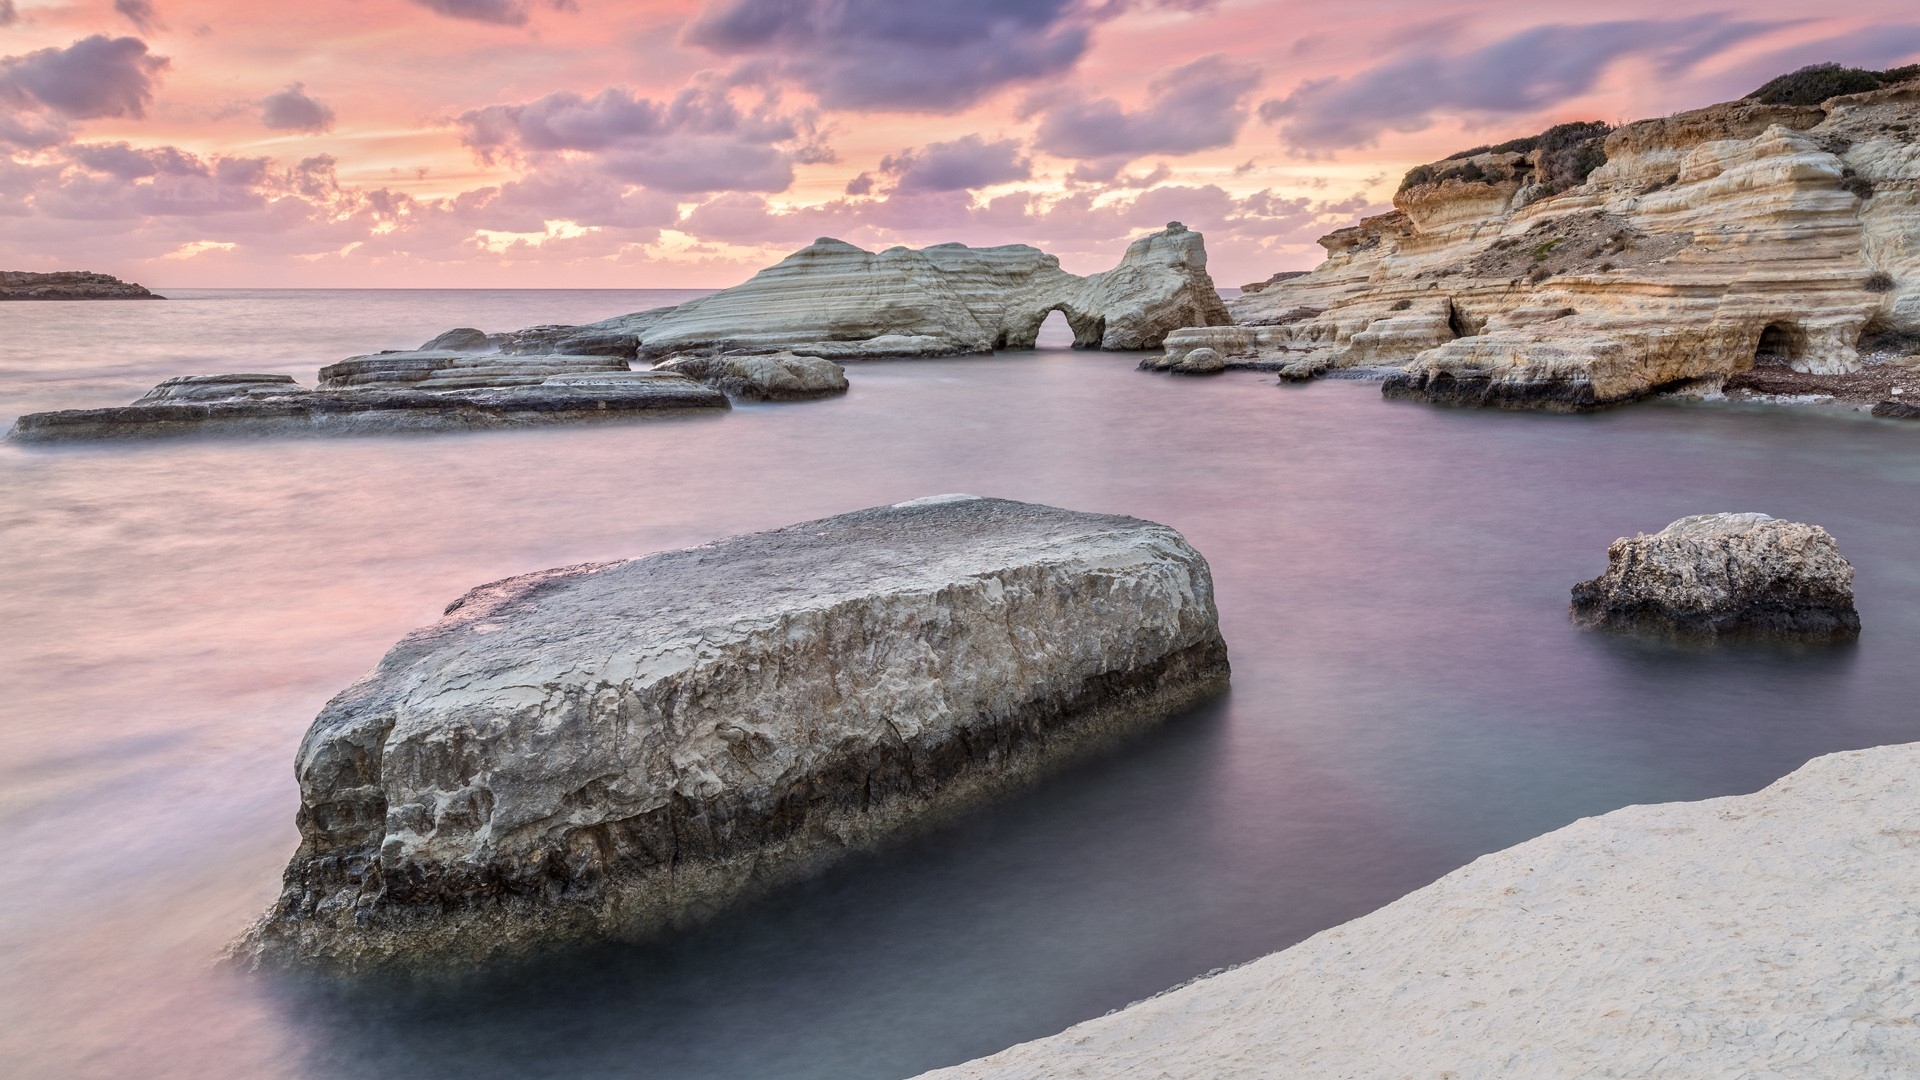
[(1055, 331), (1781, 343)]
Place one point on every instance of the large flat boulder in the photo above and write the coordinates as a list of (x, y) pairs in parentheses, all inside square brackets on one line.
[(610, 750)]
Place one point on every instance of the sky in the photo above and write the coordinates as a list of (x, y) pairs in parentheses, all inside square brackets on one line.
[(687, 143)]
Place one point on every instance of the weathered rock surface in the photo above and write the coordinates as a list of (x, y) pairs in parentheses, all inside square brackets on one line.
[(778, 377), (1722, 576), (68, 285), (608, 750), (834, 301), (1761, 935), (274, 404), (1704, 243)]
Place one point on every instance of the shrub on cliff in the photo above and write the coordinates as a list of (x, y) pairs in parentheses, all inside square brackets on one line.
[(1815, 83), (1570, 152), (1565, 154)]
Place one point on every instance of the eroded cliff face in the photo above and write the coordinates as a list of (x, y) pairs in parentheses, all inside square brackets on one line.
[(1706, 240), (833, 300)]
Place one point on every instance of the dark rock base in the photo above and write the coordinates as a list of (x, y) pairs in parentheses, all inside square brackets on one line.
[(678, 866), (1481, 392), (1897, 410), (1809, 624)]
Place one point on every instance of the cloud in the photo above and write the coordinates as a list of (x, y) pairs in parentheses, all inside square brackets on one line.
[(8, 13), (94, 77), (701, 140), (292, 110), (1527, 72), (140, 13), (499, 12), (963, 164), (906, 55), (1197, 106)]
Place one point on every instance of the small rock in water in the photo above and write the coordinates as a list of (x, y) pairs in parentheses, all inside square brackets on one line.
[(781, 376), (1201, 361), (612, 750), (1715, 576)]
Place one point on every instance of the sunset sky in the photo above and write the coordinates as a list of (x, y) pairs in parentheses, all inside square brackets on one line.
[(581, 143)]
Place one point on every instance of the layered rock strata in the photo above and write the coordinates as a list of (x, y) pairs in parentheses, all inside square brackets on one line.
[(1759, 935), (69, 285), (1705, 243), (552, 393), (834, 301), (609, 750), (1717, 576)]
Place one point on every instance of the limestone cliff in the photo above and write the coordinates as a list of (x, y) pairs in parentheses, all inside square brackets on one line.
[(834, 300), (1598, 268)]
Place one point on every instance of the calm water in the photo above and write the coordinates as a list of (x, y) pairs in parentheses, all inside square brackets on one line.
[(1392, 582)]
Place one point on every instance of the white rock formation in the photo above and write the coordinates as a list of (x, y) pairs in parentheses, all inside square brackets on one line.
[(834, 300), (1766, 935), (1722, 576), (614, 749), (1707, 239)]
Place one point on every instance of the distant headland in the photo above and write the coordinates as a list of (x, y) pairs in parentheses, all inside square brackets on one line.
[(69, 285)]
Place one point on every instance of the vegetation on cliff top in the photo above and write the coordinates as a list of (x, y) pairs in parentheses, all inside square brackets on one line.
[(1815, 83), (1560, 157)]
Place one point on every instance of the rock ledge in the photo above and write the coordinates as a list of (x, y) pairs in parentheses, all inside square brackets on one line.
[(1761, 935)]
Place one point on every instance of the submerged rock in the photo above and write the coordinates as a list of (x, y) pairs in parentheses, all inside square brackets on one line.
[(1725, 575), (779, 377), (609, 750), (237, 404), (1200, 361)]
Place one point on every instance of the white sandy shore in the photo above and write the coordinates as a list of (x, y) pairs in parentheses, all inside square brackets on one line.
[(1767, 935)]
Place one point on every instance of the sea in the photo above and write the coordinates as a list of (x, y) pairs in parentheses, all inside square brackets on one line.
[(1392, 578)]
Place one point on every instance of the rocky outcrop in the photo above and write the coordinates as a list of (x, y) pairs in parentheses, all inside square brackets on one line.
[(1759, 935), (68, 285), (1718, 576), (779, 377), (1578, 270), (834, 301), (276, 405), (612, 749)]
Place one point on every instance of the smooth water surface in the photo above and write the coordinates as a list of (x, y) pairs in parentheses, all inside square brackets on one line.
[(1393, 582)]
